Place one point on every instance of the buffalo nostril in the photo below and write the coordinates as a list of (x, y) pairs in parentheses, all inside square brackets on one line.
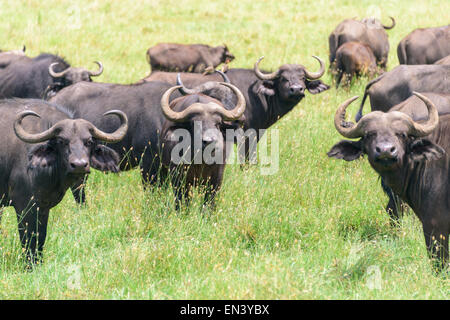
[(392, 149), (377, 149)]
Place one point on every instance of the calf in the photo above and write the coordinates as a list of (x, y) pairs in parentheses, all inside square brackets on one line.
[(354, 58)]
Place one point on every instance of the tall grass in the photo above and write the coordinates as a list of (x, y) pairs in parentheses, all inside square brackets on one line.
[(314, 230)]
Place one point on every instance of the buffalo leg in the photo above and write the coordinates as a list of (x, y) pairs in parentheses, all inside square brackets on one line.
[(32, 224), (394, 206), (436, 239)]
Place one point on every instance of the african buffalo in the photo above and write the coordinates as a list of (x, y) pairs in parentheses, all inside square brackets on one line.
[(445, 60), (354, 58), (268, 96), (369, 31), (6, 57), (413, 158), (424, 46), (198, 58), (40, 77), (397, 85), (203, 121), (41, 158)]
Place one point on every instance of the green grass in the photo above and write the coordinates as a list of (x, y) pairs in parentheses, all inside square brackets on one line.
[(314, 230)]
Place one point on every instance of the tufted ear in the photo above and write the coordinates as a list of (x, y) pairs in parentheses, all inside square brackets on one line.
[(266, 87), (424, 149), (104, 159), (347, 150), (316, 86), (42, 156)]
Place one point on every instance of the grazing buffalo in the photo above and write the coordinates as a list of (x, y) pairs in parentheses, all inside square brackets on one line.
[(6, 57), (369, 31), (397, 85), (203, 121), (354, 58), (40, 77), (445, 60), (424, 46), (45, 151), (198, 58), (413, 159)]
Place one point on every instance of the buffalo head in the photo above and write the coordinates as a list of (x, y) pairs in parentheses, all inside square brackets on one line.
[(73, 75), (291, 80), (205, 118), (389, 139), (72, 145)]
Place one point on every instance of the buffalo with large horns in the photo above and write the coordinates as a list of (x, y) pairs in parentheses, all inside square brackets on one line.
[(41, 76), (413, 159), (199, 158), (268, 96), (44, 152)]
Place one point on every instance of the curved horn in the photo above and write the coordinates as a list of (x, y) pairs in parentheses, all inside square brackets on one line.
[(239, 109), (117, 135), (262, 76), (224, 76), (184, 91), (391, 26), (167, 111), (32, 137), (316, 75), (424, 129), (349, 130), (56, 74), (99, 72)]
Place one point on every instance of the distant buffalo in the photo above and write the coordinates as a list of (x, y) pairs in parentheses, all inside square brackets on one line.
[(369, 31), (424, 46), (40, 77), (6, 57), (354, 59), (198, 58), (44, 151)]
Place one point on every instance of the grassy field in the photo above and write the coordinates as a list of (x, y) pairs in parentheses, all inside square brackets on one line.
[(314, 230)]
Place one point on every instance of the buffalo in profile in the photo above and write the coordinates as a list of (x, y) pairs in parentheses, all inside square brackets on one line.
[(40, 77), (204, 121), (198, 58), (412, 158), (369, 31), (43, 157), (424, 46), (354, 59), (397, 85)]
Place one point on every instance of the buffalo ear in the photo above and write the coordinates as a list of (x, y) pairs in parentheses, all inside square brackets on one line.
[(424, 149), (104, 159), (266, 88), (41, 156), (316, 86), (347, 150)]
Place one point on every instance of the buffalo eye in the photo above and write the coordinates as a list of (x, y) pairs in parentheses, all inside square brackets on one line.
[(370, 135), (88, 142), (61, 141), (402, 135)]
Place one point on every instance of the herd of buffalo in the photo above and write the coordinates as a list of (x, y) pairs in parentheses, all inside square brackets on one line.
[(57, 123)]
